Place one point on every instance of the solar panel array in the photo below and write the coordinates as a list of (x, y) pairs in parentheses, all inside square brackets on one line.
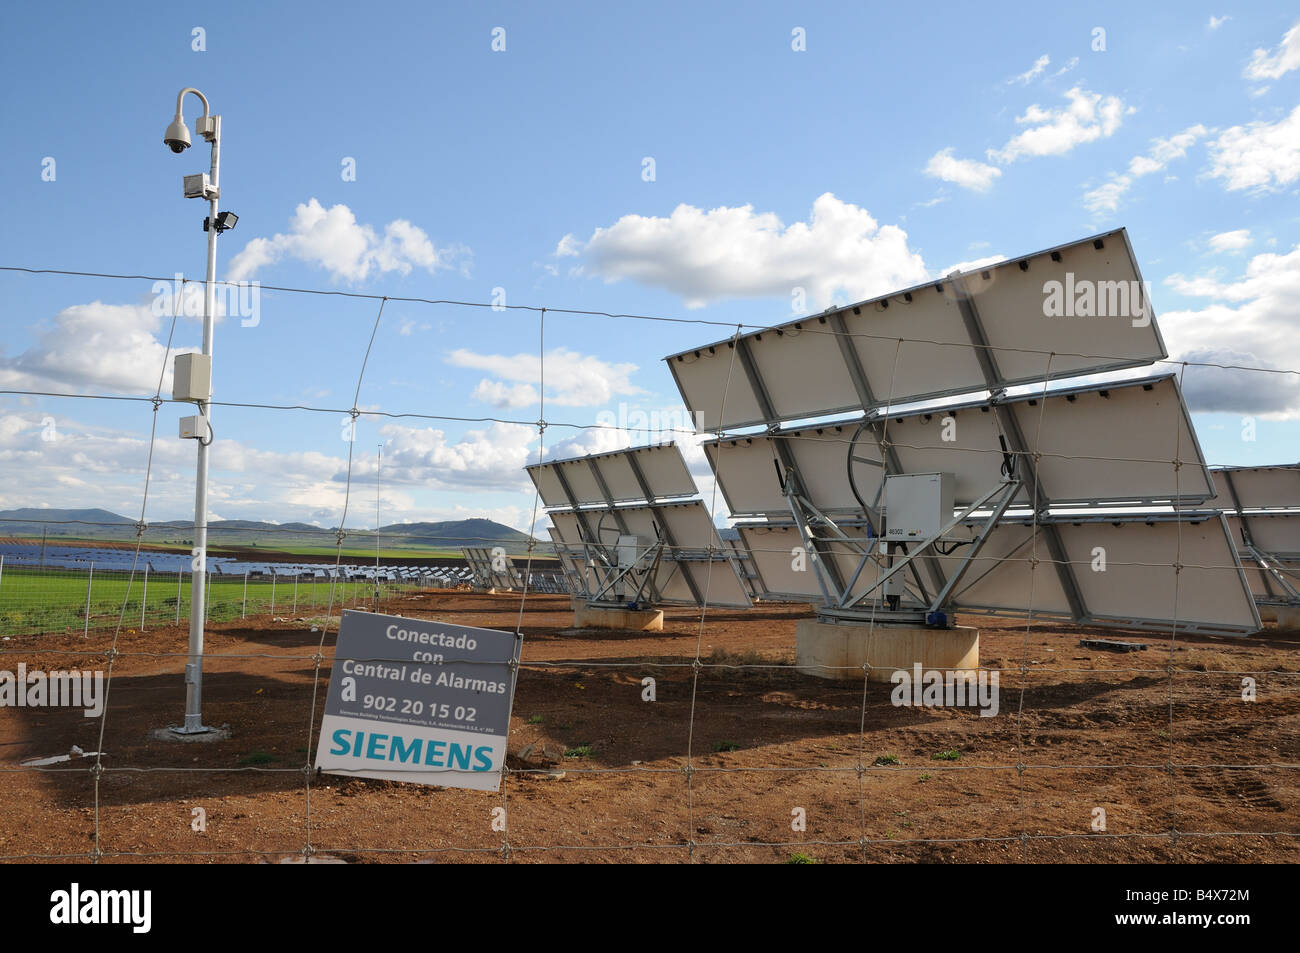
[(597, 502), (492, 570), (810, 417)]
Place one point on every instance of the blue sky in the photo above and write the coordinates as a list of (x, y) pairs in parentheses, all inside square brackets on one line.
[(901, 141)]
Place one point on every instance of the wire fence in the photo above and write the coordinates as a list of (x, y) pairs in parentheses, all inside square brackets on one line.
[(709, 770)]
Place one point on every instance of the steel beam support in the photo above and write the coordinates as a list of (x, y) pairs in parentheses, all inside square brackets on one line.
[(1026, 467)]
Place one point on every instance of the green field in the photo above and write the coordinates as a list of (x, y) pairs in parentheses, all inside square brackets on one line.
[(52, 600)]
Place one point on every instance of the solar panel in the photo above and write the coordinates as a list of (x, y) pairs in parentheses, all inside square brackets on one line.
[(1257, 488), (642, 473), (980, 329), (1274, 533)]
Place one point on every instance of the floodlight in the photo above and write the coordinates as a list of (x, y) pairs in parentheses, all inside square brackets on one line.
[(225, 222)]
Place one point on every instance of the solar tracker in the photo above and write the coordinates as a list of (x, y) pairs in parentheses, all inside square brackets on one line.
[(979, 384)]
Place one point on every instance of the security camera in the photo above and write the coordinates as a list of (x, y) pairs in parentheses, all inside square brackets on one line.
[(177, 136)]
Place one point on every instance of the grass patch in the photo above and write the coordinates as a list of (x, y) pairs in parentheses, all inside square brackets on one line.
[(802, 859), (922, 779), (581, 751), (255, 758), (952, 754), (726, 746), (885, 759), (536, 719)]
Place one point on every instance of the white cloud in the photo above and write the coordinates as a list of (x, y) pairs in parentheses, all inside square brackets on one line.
[(1164, 151), (567, 247), (970, 265), (1216, 22), (706, 256), (1248, 322), (1260, 155), (1034, 71), (507, 396), (1054, 132), (490, 459), (967, 173), (1266, 65), (1073, 62), (572, 379), (95, 346), (332, 239), (1106, 197), (1231, 241)]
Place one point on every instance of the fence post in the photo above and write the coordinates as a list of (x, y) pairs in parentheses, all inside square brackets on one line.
[(178, 595), (243, 609), (207, 598), (90, 581), (144, 599), (272, 592), (294, 612)]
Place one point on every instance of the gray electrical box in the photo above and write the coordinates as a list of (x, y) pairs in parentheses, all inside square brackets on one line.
[(193, 428), (197, 186), (192, 377), (917, 505)]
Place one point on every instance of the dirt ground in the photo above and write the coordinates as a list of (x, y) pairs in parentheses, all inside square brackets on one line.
[(1078, 729)]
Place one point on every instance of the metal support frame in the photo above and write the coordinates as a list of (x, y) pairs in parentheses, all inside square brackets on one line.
[(657, 549), (1268, 569), (878, 428), (849, 605), (1025, 466), (1267, 572), (787, 461), (661, 524)]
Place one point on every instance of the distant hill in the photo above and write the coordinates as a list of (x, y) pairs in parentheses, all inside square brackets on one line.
[(101, 524), (456, 533)]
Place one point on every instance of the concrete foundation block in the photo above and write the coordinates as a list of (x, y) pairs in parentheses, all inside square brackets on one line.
[(838, 651), (624, 620)]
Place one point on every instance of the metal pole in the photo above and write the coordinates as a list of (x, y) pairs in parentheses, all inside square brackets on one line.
[(207, 599), (144, 599), (272, 592), (179, 573), (90, 581), (313, 589), (294, 610), (198, 614), (243, 609), (379, 462)]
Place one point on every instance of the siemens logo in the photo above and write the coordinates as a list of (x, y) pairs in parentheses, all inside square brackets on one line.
[(434, 754)]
